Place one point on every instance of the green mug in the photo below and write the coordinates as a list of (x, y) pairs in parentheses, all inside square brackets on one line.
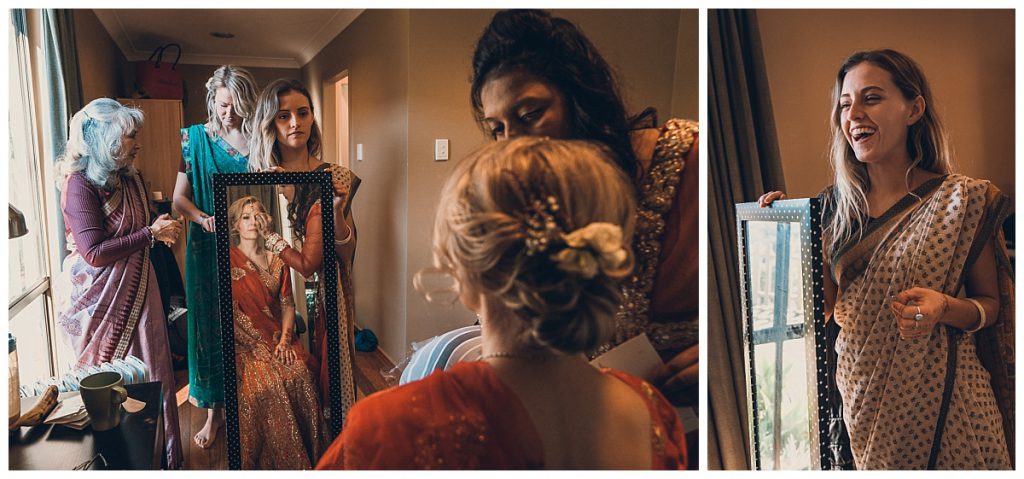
[(102, 394)]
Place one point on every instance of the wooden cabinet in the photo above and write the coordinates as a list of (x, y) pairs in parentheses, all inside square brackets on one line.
[(160, 156)]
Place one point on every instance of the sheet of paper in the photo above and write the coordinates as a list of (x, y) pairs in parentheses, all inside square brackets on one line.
[(636, 356), (78, 425), (689, 417), (70, 409), (133, 405)]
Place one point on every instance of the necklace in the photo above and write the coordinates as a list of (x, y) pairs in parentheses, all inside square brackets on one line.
[(254, 262), (523, 356)]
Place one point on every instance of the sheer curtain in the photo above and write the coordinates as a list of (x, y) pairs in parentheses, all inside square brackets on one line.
[(64, 90), (744, 161)]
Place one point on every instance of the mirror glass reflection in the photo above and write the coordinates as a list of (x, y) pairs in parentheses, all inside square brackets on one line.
[(280, 401), (780, 368)]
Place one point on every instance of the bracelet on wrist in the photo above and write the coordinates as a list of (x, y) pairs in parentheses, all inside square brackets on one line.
[(347, 240), (275, 243), (981, 316), (152, 236)]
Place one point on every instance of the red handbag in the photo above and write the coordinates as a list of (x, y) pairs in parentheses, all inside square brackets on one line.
[(156, 79)]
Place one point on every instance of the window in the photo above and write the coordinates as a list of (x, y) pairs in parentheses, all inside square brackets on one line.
[(30, 304)]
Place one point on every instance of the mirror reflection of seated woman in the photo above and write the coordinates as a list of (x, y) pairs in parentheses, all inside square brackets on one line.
[(925, 374), (279, 416), (288, 139), (539, 253)]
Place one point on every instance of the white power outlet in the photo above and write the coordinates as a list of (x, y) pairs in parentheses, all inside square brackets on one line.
[(359, 152), (440, 150)]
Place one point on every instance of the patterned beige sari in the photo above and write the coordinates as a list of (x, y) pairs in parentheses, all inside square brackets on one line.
[(892, 389)]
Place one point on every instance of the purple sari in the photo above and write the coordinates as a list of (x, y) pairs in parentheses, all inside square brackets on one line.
[(108, 304)]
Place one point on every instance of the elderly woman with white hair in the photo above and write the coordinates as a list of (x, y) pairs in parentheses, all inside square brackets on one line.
[(108, 302)]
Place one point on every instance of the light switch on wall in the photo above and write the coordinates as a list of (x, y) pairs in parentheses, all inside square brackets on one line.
[(359, 152), (440, 149)]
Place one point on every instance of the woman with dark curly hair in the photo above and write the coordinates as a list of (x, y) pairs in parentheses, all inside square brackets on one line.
[(538, 75)]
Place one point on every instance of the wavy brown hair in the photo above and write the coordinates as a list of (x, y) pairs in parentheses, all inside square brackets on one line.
[(927, 142), (263, 147)]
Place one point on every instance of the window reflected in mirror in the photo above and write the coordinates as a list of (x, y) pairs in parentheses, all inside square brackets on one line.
[(782, 311)]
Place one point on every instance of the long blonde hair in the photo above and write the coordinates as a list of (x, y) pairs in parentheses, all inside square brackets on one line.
[(482, 234), (927, 143), (240, 83), (263, 147)]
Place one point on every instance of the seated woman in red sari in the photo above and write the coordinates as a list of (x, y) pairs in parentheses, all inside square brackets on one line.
[(538, 249), (107, 301), (278, 405)]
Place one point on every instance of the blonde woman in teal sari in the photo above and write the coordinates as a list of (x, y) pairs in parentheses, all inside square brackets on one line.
[(221, 145)]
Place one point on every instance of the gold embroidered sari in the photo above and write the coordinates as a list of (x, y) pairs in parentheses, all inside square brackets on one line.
[(280, 425), (892, 389)]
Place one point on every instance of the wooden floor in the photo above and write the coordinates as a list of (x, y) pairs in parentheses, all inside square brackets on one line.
[(368, 376)]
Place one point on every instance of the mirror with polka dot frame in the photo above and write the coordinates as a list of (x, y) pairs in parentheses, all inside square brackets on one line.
[(278, 282), (785, 347)]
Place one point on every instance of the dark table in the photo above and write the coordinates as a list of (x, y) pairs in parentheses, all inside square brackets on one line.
[(137, 443)]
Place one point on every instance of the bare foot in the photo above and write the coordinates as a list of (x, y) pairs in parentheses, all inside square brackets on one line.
[(205, 437)]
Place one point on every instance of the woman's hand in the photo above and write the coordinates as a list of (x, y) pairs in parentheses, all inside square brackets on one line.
[(166, 229), (263, 223), (918, 310), (208, 223), (340, 187), (677, 379), (768, 198), (275, 169), (284, 352)]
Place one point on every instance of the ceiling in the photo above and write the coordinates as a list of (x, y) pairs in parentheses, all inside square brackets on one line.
[(263, 38)]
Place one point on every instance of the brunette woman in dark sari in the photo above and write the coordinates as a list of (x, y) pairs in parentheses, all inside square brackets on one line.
[(287, 137)]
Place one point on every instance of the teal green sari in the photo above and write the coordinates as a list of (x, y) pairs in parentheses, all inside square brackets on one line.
[(205, 155)]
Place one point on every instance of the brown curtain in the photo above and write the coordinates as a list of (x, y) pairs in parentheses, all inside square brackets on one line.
[(744, 163)]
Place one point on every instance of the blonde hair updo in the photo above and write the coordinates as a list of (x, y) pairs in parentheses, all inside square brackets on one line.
[(483, 232)]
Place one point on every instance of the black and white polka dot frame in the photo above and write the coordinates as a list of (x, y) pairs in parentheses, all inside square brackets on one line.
[(221, 182), (806, 213)]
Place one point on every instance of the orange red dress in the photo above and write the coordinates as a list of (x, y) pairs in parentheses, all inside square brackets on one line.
[(280, 425), (466, 418)]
